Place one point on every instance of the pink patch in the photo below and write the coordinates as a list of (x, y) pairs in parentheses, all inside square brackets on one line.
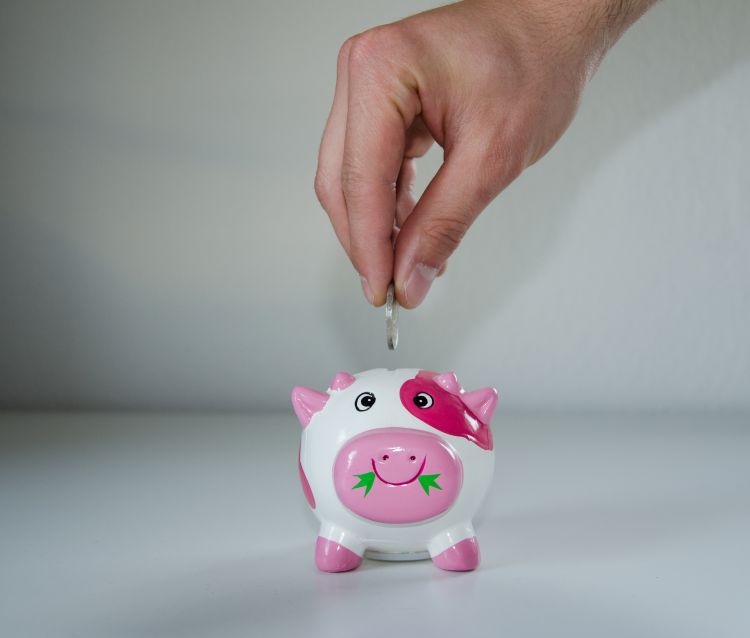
[(461, 557), (341, 381), (448, 381), (397, 475), (305, 484), (448, 412), (481, 402), (332, 557), (307, 403)]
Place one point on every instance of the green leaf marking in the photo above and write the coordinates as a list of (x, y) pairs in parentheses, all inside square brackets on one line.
[(427, 481), (366, 480)]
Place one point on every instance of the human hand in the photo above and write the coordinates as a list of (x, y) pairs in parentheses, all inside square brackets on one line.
[(494, 83)]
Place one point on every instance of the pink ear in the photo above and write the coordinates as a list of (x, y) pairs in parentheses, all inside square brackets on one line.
[(341, 381), (482, 403), (448, 381), (307, 403)]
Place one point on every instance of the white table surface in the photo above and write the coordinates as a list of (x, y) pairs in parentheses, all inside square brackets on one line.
[(195, 525)]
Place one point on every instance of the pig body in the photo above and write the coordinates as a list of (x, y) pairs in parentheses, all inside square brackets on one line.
[(395, 463)]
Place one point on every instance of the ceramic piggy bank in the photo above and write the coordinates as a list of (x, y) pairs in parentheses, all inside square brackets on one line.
[(395, 463)]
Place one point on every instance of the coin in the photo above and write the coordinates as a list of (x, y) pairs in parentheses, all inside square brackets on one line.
[(391, 318)]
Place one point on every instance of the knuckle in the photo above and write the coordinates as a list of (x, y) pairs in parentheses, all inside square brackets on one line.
[(344, 52), (444, 234), (368, 46), (358, 178), (322, 187), (351, 180), (363, 47), (361, 190)]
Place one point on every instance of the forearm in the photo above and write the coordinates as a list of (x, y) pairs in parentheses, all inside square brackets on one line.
[(600, 23), (586, 29), (621, 14)]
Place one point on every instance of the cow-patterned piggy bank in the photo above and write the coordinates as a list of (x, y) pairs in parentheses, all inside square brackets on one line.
[(395, 463)]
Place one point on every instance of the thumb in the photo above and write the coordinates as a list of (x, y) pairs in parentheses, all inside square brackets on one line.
[(465, 184)]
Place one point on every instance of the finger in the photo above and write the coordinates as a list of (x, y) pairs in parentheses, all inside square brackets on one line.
[(466, 183), (418, 142), (331, 153), (418, 139), (380, 109), (405, 199)]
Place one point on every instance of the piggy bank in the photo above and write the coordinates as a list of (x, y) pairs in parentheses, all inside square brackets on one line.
[(395, 463)]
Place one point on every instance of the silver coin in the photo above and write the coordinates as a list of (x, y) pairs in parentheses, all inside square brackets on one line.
[(391, 318)]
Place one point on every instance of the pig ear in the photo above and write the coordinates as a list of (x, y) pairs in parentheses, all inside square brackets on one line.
[(341, 381), (482, 403), (448, 381), (307, 403)]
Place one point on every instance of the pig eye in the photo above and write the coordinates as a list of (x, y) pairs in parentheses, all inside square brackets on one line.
[(364, 401), (423, 400)]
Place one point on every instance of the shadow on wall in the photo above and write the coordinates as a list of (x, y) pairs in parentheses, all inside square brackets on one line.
[(86, 326), (680, 49), (82, 332)]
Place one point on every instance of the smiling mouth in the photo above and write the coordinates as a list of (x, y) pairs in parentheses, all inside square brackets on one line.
[(411, 480)]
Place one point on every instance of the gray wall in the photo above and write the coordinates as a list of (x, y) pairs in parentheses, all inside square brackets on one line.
[(161, 245)]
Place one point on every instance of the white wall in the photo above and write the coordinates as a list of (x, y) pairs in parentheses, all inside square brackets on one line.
[(161, 245)]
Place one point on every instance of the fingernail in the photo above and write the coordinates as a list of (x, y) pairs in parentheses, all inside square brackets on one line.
[(418, 283), (367, 290)]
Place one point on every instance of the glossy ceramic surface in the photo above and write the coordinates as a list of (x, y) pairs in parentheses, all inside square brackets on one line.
[(395, 462)]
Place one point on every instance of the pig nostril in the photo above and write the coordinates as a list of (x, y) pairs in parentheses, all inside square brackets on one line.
[(412, 458), (385, 457)]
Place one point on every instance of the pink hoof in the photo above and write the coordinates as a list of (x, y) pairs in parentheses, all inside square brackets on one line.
[(462, 557), (332, 557)]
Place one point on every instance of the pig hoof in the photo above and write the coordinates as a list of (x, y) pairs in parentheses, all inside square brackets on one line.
[(332, 557), (461, 557)]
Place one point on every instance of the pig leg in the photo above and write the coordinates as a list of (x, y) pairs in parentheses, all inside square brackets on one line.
[(456, 549), (337, 550)]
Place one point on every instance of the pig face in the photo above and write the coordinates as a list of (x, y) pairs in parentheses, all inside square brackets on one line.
[(396, 458)]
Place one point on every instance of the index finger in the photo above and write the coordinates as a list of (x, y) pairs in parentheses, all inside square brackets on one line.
[(373, 154)]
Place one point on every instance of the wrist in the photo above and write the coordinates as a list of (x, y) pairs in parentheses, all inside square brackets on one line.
[(581, 31), (599, 23)]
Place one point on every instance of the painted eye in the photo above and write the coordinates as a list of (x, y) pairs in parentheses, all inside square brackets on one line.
[(412, 458), (386, 457), (364, 401), (423, 400)]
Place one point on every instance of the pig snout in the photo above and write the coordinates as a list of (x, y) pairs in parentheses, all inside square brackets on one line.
[(399, 465), (397, 475)]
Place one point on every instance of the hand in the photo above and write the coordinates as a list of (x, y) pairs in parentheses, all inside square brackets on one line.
[(494, 83)]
